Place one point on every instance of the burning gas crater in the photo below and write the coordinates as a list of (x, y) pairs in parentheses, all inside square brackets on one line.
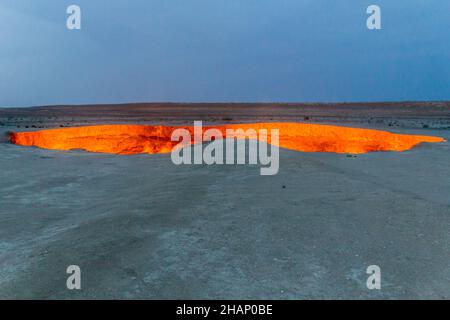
[(136, 139)]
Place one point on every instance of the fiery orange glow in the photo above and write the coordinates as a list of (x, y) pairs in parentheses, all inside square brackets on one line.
[(136, 139)]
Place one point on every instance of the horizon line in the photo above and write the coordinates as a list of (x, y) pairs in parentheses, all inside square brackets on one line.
[(228, 102)]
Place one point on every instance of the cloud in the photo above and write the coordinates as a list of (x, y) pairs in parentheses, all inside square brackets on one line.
[(222, 50)]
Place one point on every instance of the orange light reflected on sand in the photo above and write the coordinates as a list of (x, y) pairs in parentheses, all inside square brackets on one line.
[(137, 139)]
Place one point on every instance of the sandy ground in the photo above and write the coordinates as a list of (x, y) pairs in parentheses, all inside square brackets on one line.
[(434, 115), (141, 227)]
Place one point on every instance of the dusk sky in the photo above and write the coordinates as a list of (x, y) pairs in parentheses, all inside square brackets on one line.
[(222, 51)]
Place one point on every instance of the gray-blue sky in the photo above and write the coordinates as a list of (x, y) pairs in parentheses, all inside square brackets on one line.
[(223, 50)]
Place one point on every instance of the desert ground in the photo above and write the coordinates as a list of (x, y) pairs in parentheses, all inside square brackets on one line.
[(140, 227)]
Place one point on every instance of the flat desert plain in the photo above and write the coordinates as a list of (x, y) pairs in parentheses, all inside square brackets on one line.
[(141, 227)]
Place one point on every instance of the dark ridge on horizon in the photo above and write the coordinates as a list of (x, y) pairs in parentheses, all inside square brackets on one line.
[(220, 104)]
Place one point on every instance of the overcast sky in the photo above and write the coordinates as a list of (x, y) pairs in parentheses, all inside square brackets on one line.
[(223, 50)]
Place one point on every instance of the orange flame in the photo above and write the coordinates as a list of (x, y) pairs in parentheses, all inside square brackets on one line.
[(136, 139)]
